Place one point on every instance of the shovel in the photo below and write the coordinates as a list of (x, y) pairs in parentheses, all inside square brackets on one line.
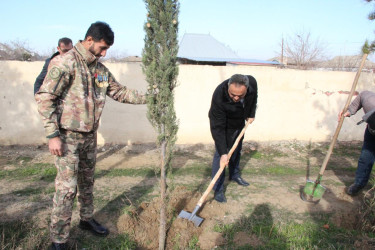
[(192, 216), (313, 190)]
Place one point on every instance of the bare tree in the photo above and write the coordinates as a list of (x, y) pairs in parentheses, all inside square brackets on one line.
[(302, 51), (117, 55), (17, 50), (344, 63)]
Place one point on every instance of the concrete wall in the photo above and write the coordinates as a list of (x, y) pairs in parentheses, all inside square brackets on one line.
[(292, 104), (20, 122)]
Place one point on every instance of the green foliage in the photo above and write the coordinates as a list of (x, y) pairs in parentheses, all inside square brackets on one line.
[(371, 16), (369, 48), (159, 59)]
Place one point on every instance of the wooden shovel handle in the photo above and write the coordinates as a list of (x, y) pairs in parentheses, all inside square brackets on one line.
[(222, 167), (328, 155)]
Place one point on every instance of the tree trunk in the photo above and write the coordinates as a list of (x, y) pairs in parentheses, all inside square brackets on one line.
[(163, 189)]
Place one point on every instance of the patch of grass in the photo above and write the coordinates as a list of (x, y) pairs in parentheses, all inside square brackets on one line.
[(132, 172), (28, 191), (42, 171), (278, 230), (133, 196), (257, 155), (129, 210), (49, 190), (118, 242), (195, 169), (352, 151), (341, 168), (267, 154), (317, 152), (273, 170), (3, 174), (193, 243), (22, 159), (187, 155), (176, 241), (3, 160), (22, 234)]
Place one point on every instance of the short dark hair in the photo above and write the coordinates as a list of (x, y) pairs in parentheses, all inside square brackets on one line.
[(239, 79), (65, 41), (101, 30)]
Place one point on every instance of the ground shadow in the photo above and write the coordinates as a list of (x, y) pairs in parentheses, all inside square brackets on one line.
[(342, 212), (253, 231)]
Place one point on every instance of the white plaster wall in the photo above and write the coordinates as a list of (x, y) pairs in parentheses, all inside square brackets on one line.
[(20, 122), (292, 104)]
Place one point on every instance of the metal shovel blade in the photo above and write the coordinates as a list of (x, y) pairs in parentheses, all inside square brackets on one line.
[(312, 192), (192, 217)]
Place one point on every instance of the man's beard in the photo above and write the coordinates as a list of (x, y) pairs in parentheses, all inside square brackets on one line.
[(91, 49)]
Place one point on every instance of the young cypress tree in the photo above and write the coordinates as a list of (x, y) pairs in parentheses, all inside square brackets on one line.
[(159, 59)]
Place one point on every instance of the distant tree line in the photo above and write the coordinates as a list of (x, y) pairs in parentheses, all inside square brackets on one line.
[(19, 51), (301, 51)]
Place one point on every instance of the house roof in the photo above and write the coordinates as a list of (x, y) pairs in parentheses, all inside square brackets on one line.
[(205, 48)]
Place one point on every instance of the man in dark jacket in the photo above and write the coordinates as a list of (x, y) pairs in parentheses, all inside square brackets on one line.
[(64, 45), (233, 102)]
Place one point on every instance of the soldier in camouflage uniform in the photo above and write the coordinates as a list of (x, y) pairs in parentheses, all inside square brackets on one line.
[(70, 102)]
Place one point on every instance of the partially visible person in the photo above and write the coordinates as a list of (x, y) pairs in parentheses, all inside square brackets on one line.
[(70, 102), (233, 102), (64, 45), (365, 100)]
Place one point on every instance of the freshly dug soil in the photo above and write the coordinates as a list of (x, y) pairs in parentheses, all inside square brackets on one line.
[(143, 222)]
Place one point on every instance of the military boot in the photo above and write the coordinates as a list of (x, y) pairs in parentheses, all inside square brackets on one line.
[(94, 227)]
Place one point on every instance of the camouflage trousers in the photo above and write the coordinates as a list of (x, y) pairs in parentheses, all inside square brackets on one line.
[(75, 174)]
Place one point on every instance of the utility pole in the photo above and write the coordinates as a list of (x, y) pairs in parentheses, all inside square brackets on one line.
[(282, 50)]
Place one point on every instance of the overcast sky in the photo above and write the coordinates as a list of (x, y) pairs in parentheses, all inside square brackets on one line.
[(251, 28)]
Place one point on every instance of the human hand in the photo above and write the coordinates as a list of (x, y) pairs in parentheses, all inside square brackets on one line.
[(346, 114), (55, 146), (224, 160), (250, 120)]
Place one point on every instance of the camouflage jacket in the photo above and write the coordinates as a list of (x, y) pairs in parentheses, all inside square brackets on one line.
[(74, 91)]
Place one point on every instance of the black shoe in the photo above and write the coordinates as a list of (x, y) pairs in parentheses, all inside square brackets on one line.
[(58, 246), (354, 189), (241, 181), (220, 197), (94, 227)]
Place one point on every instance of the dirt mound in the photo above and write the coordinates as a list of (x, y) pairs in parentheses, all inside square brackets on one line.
[(346, 219), (143, 222)]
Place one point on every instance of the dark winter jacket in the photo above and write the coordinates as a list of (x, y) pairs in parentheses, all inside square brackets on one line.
[(227, 117), (39, 80)]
